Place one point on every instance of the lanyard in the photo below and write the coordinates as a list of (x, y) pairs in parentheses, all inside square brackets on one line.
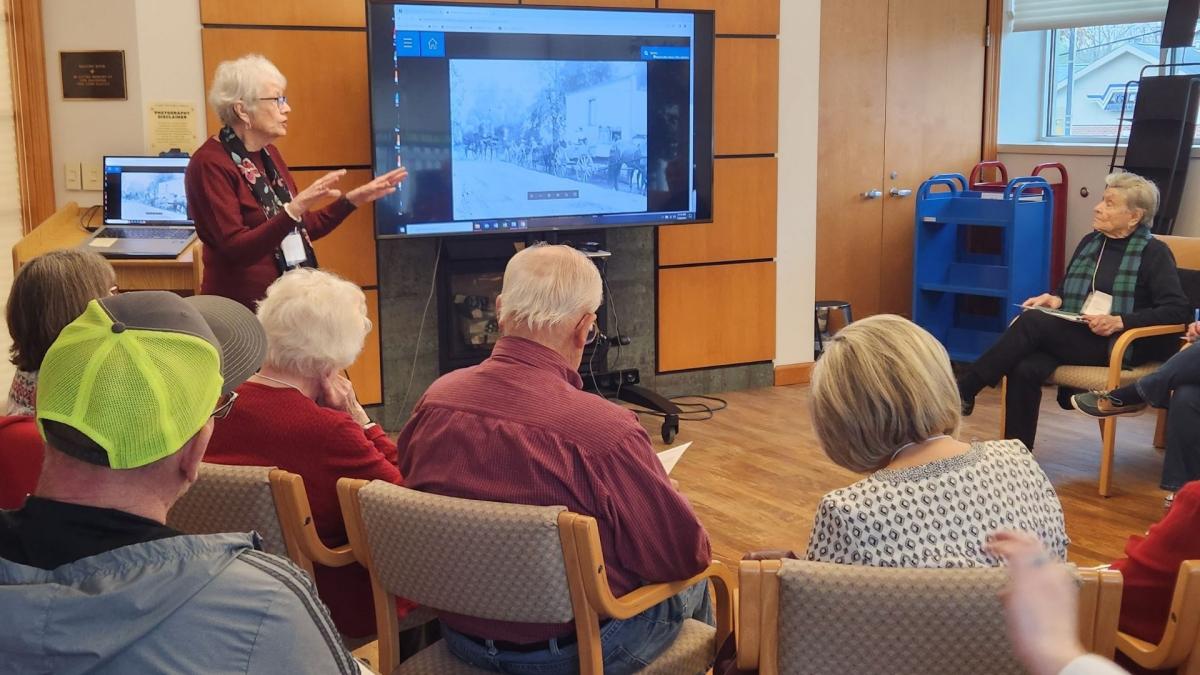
[(1098, 257), (909, 445)]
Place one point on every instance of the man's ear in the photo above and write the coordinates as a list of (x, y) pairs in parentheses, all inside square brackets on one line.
[(193, 453)]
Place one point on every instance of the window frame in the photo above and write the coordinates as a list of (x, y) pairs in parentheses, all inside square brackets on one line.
[(1169, 57)]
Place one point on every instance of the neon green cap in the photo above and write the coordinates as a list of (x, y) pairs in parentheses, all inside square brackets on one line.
[(138, 374)]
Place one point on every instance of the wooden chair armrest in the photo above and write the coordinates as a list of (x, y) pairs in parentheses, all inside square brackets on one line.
[(295, 514), (1182, 633), (1126, 339), (369, 655)]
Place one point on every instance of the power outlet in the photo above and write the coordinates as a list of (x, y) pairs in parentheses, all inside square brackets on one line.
[(73, 174), (93, 178)]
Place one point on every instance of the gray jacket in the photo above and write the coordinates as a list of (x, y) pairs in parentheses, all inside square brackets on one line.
[(185, 604)]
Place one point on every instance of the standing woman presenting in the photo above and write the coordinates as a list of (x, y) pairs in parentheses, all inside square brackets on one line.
[(254, 224)]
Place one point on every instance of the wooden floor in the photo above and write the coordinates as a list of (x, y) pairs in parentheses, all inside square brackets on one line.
[(755, 472)]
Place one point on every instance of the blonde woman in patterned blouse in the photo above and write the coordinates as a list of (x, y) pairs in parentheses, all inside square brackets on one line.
[(884, 402)]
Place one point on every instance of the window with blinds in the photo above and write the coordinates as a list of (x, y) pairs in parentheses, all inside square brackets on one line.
[(1026, 15)]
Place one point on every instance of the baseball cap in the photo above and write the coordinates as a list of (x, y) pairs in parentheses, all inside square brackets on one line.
[(136, 375)]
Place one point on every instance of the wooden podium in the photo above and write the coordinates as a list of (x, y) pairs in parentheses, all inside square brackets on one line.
[(64, 230)]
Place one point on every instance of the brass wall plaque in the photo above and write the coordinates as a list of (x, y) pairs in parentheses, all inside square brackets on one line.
[(93, 76)]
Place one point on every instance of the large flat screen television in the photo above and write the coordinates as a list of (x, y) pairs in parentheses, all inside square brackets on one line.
[(521, 119)]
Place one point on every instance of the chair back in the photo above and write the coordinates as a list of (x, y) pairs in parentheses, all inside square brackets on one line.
[(807, 617), (232, 499), (483, 559), (1185, 249), (1187, 258)]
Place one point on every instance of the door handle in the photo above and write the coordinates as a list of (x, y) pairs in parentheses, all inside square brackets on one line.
[(900, 192), (873, 194)]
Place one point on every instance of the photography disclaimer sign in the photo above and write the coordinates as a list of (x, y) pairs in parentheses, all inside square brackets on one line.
[(95, 75)]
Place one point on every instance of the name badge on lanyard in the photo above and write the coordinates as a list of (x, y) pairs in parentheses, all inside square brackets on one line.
[(1098, 302), (293, 250)]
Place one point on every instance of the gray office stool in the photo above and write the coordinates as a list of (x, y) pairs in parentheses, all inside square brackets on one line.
[(821, 314)]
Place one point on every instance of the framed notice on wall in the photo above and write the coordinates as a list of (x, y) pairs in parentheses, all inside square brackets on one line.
[(91, 76)]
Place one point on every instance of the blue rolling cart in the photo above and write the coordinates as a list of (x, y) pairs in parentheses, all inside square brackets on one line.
[(962, 294)]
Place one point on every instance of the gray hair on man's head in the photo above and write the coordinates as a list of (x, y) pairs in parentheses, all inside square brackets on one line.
[(1140, 193), (547, 286), (315, 322), (242, 79)]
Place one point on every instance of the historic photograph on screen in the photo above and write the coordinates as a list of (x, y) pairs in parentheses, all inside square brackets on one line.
[(547, 138), (152, 196)]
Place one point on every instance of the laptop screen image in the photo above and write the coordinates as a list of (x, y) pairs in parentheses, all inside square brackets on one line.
[(145, 191)]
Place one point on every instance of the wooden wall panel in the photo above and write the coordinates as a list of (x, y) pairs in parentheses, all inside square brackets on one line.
[(348, 251), (716, 315), (745, 17), (365, 372), (742, 228), (327, 89), (747, 96), (329, 13)]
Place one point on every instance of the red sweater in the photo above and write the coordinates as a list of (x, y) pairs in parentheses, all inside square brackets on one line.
[(21, 453), (239, 241), (1151, 565), (270, 426)]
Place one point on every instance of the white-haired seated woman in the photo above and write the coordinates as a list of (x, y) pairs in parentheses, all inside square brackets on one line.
[(884, 402), (300, 414)]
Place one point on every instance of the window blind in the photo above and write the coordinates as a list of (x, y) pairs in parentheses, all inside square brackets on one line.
[(1048, 14)]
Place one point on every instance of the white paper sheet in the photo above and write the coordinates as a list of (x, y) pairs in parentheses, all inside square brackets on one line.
[(670, 457)]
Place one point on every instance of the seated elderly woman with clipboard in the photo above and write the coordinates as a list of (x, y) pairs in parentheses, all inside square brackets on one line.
[(1119, 277)]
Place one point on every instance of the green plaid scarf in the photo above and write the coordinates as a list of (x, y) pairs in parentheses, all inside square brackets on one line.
[(1078, 282)]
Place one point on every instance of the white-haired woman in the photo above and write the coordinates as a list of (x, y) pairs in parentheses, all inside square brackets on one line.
[(884, 402), (300, 414), (1119, 277), (254, 223)]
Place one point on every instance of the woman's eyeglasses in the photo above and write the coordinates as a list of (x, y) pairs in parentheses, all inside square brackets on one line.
[(280, 100)]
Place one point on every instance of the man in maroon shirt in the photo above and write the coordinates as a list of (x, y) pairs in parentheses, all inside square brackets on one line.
[(518, 429)]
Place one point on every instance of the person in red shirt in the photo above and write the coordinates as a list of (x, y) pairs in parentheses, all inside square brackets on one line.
[(1151, 565), (300, 414), (519, 429), (48, 293), (254, 223)]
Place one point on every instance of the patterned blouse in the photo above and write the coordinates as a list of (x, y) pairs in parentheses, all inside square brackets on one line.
[(939, 514), (22, 393)]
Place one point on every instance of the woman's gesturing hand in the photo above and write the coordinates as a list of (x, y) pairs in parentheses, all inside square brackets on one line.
[(322, 188), (378, 187)]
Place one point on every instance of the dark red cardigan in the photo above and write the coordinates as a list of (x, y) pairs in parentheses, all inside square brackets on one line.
[(239, 241), (286, 429)]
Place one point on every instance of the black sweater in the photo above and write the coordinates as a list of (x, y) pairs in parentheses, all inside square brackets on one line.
[(1158, 297)]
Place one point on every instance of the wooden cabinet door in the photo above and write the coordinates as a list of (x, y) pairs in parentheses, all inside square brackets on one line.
[(850, 151), (934, 114)]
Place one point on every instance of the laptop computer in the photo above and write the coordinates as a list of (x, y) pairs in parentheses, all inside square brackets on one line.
[(145, 209)]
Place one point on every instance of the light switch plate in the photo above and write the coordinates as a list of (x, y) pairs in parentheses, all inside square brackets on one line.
[(73, 175), (92, 176)]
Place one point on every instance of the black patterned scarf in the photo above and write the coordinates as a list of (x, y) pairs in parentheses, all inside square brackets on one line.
[(270, 190)]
